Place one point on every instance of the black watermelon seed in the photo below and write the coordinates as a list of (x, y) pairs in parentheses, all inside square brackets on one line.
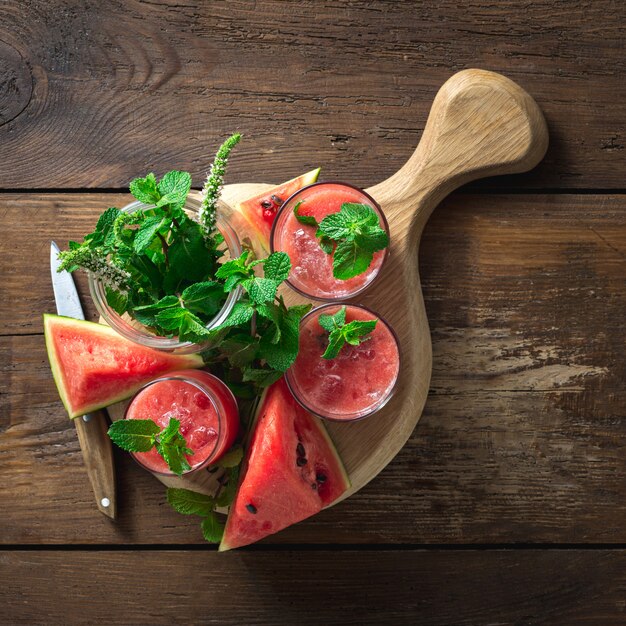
[(320, 478), (276, 199), (251, 508), (313, 485), (300, 461), (300, 450)]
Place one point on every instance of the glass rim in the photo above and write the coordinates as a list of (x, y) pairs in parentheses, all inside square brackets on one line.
[(385, 252), (356, 416), (209, 394), (144, 337)]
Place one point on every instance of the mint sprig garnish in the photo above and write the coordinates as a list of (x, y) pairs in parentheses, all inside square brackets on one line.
[(353, 234), (143, 435), (340, 333)]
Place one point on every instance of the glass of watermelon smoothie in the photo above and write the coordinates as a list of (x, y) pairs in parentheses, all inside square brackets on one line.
[(132, 329), (312, 269), (356, 383), (205, 407)]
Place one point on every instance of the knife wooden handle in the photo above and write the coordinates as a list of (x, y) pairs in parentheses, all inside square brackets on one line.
[(98, 456)]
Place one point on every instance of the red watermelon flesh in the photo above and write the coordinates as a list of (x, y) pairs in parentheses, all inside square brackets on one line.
[(94, 367), (260, 211), (291, 471)]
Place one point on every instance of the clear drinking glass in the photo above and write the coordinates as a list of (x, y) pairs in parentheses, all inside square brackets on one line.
[(312, 269), (355, 384), (204, 405)]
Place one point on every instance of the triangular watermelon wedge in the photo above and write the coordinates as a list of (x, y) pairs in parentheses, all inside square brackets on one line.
[(291, 471), (260, 210), (94, 367)]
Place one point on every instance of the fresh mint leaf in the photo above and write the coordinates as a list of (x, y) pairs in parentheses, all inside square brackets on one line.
[(205, 297), (350, 260), (145, 189), (174, 188), (274, 313), (146, 314), (146, 232), (340, 333), (191, 329), (188, 258), (336, 341), (189, 502), (277, 266), (262, 377), (171, 318), (307, 220), (171, 445), (241, 313), (357, 233), (103, 235), (146, 271), (240, 349), (134, 435), (330, 322), (372, 239), (232, 458), (335, 226), (260, 290), (356, 331), (359, 215), (212, 528), (327, 244), (116, 300), (280, 356)]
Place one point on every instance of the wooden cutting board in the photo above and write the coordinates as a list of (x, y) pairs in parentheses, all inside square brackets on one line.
[(481, 124)]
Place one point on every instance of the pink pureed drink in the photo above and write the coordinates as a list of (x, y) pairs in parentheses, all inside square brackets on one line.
[(355, 384), (311, 268), (205, 407)]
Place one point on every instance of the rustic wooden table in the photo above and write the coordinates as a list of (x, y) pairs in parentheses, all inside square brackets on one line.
[(508, 503)]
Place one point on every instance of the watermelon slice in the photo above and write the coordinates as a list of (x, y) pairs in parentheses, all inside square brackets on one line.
[(291, 471), (94, 367), (260, 211)]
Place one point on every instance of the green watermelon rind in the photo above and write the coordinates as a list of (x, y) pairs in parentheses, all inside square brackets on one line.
[(188, 361), (346, 483)]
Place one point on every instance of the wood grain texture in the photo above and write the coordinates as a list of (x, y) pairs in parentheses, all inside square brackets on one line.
[(327, 587), (95, 93), (523, 435)]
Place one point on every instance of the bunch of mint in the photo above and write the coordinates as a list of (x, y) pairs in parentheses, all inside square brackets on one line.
[(169, 264), (258, 341), (352, 235)]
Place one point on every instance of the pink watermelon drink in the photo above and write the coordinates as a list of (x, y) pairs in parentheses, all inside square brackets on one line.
[(205, 407), (312, 268), (358, 381)]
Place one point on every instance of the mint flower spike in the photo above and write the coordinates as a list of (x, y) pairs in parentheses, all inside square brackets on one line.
[(97, 263), (213, 185)]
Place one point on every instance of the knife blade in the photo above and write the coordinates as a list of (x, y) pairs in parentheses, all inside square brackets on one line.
[(91, 428)]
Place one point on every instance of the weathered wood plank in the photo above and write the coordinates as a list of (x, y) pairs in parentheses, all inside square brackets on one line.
[(326, 587), (92, 94), (523, 436)]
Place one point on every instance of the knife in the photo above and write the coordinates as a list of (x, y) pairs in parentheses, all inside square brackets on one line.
[(91, 428)]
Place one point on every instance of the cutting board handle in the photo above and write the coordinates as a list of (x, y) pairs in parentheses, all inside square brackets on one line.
[(481, 124)]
